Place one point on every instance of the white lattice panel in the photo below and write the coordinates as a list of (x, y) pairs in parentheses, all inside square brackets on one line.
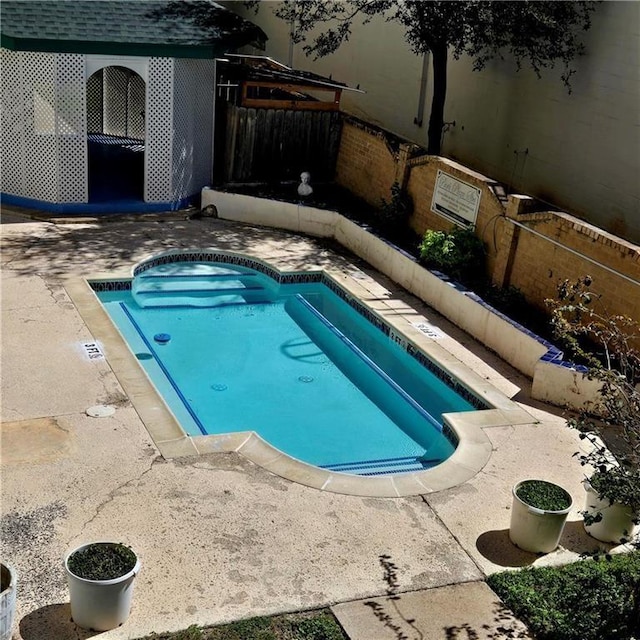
[(159, 112), (12, 122), (192, 122), (115, 83), (94, 103), (40, 165), (137, 92), (71, 128), (43, 126)]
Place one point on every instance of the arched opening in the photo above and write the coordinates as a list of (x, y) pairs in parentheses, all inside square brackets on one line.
[(116, 135)]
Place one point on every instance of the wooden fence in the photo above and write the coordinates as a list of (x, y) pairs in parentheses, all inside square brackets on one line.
[(274, 145)]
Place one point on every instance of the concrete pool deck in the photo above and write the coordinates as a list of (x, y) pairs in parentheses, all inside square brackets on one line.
[(219, 537)]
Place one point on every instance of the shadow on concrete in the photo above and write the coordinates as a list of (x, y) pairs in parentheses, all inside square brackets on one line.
[(496, 547), (576, 539), (52, 621)]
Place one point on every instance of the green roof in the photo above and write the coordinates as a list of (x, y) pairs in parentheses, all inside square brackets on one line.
[(170, 28)]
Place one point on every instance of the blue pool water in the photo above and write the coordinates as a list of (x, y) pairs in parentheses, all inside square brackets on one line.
[(293, 362)]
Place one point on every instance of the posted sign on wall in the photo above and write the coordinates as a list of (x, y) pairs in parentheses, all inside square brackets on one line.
[(455, 200)]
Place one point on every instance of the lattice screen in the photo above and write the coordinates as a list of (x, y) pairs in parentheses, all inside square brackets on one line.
[(192, 121), (71, 128), (43, 133), (158, 157), (116, 103), (94, 103), (12, 122), (40, 160)]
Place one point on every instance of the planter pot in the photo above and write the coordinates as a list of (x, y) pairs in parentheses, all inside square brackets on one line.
[(100, 605), (534, 529), (617, 519), (7, 600)]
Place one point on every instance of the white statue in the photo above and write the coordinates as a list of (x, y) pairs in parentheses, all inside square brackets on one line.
[(304, 188)]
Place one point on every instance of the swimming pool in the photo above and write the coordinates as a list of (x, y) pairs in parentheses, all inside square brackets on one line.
[(294, 359)]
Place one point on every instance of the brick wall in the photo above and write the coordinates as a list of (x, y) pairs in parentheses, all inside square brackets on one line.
[(367, 163), (570, 249), (531, 251)]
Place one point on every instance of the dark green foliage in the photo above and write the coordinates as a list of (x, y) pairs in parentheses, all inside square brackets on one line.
[(395, 213), (311, 625), (102, 561), (252, 629), (596, 599), (320, 627), (544, 495), (458, 253)]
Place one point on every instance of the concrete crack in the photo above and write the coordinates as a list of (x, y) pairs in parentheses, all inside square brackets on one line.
[(113, 494)]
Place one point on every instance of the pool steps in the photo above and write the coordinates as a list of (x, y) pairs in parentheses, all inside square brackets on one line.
[(204, 290), (383, 467)]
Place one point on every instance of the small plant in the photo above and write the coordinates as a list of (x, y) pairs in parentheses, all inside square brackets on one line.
[(318, 627), (458, 253), (596, 599), (102, 561), (544, 495), (578, 319), (394, 214)]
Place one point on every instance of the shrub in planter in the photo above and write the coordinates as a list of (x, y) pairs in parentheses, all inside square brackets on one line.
[(614, 362), (393, 215), (538, 514), (458, 253), (100, 577)]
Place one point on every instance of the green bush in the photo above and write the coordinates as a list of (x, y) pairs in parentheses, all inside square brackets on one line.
[(320, 627), (595, 599), (458, 253), (394, 214)]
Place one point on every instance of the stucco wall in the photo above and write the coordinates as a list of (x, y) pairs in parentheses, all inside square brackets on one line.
[(580, 151)]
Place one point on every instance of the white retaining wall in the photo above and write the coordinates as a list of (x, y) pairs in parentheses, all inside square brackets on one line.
[(552, 382)]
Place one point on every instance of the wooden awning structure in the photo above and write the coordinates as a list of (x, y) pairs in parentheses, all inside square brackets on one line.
[(267, 83)]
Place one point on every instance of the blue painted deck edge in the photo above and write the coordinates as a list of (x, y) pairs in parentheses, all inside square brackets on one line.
[(96, 208)]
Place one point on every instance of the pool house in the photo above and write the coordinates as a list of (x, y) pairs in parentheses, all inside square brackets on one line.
[(108, 105)]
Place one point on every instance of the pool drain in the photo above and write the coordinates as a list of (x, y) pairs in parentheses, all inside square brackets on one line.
[(100, 411), (219, 387), (305, 379)]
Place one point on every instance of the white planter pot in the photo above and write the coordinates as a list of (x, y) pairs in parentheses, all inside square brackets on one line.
[(8, 580), (535, 530), (100, 605), (617, 519)]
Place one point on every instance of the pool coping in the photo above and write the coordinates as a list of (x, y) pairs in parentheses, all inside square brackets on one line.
[(471, 455)]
